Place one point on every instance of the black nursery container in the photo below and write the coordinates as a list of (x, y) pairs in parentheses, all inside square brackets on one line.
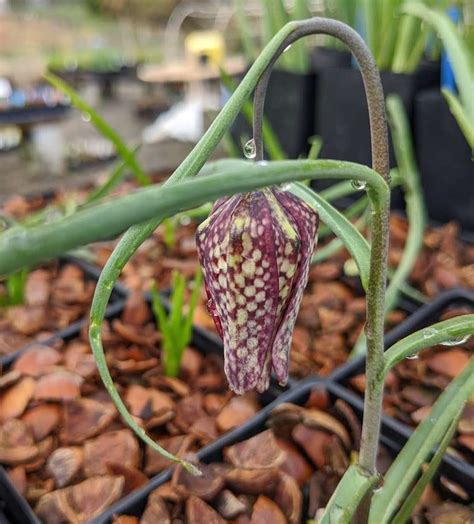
[(342, 119), (289, 107), (135, 503), (17, 508), (324, 57), (445, 160), (459, 470)]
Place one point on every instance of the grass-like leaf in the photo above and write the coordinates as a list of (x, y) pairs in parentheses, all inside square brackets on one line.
[(116, 176), (103, 127), (411, 501), (429, 434), (455, 328), (457, 51), (354, 241), (246, 34), (24, 247), (415, 207), (413, 194), (316, 143), (457, 110), (15, 289)]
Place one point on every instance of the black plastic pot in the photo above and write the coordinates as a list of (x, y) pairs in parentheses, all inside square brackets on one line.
[(91, 272), (445, 160), (289, 107), (425, 316), (200, 341), (341, 110), (135, 503), (324, 57)]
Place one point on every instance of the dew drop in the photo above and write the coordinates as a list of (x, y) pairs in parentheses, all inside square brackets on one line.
[(250, 150), (359, 185), (455, 341), (185, 220), (429, 332), (287, 48), (262, 163), (86, 117), (413, 357)]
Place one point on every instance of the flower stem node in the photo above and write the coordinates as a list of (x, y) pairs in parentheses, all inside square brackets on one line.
[(255, 250)]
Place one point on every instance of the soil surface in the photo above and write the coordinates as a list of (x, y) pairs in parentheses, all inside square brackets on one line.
[(56, 295), (62, 440), (414, 385), (263, 479)]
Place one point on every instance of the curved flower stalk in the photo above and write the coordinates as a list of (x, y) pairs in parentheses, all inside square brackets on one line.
[(255, 250)]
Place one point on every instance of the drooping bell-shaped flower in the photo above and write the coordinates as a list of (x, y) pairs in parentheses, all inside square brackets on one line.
[(255, 250)]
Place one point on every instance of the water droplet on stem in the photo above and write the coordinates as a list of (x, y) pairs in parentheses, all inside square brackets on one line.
[(250, 149), (456, 341), (359, 185)]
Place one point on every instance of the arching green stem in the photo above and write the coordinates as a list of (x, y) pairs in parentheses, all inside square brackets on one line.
[(380, 211)]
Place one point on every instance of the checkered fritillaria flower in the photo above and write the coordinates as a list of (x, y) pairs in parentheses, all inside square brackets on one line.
[(255, 250)]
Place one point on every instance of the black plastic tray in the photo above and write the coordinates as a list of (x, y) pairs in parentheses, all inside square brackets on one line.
[(200, 340), (13, 507), (26, 116), (425, 316), (91, 272), (135, 503)]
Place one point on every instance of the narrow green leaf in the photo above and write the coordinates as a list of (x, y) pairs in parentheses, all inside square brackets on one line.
[(336, 244), (412, 499), (350, 491), (461, 116), (415, 206), (99, 356), (355, 243), (456, 49), (316, 145), (429, 434), (102, 126), (354, 210), (413, 194), (116, 176), (23, 247), (246, 33), (455, 328), (301, 10)]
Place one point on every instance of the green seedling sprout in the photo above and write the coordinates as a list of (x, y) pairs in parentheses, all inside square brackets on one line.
[(176, 324), (169, 232), (15, 285)]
